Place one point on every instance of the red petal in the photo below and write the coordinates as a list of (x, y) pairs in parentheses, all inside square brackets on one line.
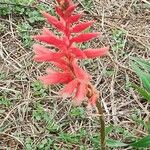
[(38, 49), (56, 78), (78, 53), (79, 72), (92, 100), (59, 12), (82, 26), (64, 3), (44, 54), (46, 31), (84, 37), (50, 40), (66, 41), (70, 10), (80, 94), (50, 71), (61, 64), (70, 87), (92, 53), (74, 18), (52, 20), (47, 57)]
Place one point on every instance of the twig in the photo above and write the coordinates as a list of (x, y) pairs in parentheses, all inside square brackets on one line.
[(13, 137), (145, 1)]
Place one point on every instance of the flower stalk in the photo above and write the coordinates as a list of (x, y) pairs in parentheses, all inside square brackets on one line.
[(101, 117), (65, 55), (102, 123)]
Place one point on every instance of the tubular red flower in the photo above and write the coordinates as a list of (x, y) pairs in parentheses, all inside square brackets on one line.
[(46, 31), (84, 37), (56, 77), (92, 53), (52, 20), (70, 10), (74, 18), (82, 26), (78, 53), (53, 40), (80, 73), (70, 88), (45, 54), (80, 94), (64, 4), (92, 100), (59, 11)]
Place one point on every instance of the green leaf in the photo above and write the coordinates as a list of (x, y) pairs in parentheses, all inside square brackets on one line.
[(68, 137), (142, 69), (109, 129), (145, 77), (2, 111), (144, 142), (147, 126), (115, 143), (143, 63), (77, 112), (142, 91), (136, 69), (4, 101)]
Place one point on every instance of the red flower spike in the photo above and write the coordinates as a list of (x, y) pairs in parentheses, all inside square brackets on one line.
[(80, 94), (84, 37), (92, 53), (70, 88), (81, 27), (55, 78), (66, 58), (52, 20)]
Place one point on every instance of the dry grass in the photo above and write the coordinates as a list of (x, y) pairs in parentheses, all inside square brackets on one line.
[(110, 76)]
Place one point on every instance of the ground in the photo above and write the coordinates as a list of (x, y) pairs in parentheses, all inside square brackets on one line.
[(33, 116)]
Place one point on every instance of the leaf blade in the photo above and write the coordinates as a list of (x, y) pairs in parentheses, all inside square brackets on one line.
[(142, 143)]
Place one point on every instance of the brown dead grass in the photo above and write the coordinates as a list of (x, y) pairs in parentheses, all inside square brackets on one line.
[(119, 102)]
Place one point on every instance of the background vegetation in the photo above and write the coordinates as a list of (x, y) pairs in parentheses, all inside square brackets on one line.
[(35, 117)]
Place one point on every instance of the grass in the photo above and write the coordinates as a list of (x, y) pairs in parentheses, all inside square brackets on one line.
[(34, 117)]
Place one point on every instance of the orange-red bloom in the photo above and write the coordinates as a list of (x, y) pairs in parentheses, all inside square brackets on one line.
[(65, 55)]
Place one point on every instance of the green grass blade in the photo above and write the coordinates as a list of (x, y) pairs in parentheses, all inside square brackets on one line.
[(145, 77), (143, 63), (142, 143), (115, 143), (142, 91)]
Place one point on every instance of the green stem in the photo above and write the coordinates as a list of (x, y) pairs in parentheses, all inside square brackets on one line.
[(102, 123)]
